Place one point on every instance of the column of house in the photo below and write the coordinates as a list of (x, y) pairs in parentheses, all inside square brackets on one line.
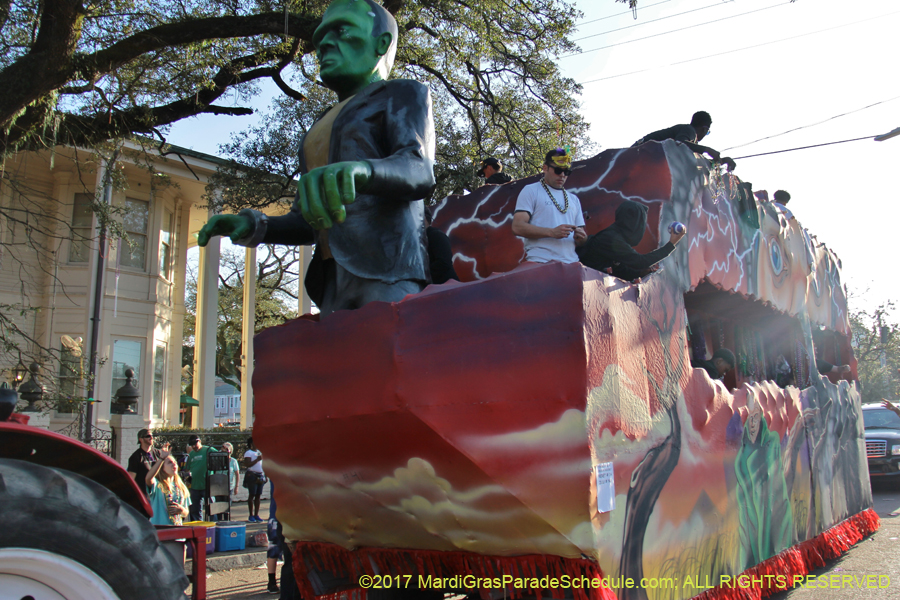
[(205, 333), (173, 386), (247, 330)]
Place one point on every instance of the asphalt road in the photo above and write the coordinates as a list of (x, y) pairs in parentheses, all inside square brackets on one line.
[(878, 556)]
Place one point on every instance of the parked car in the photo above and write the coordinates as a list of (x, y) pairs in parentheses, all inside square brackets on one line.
[(882, 428)]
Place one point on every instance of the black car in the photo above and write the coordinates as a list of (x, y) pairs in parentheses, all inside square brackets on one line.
[(882, 442)]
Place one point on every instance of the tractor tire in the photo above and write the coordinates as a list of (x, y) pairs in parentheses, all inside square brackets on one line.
[(71, 534)]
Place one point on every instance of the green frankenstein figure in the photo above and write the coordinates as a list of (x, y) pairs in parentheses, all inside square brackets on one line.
[(766, 518), (366, 163)]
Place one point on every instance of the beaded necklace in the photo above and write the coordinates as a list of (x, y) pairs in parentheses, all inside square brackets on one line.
[(553, 200)]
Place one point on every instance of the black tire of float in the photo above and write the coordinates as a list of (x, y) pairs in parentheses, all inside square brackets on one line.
[(64, 513)]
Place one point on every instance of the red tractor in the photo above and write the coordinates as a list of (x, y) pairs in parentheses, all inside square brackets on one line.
[(75, 524)]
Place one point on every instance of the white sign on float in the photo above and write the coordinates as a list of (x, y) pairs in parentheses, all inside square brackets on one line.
[(606, 489)]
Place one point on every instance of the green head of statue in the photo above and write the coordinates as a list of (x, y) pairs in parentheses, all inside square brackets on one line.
[(355, 44)]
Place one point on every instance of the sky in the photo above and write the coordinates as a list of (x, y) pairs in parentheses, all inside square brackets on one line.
[(760, 68)]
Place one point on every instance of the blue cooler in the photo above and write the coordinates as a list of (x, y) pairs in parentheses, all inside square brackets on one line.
[(230, 535)]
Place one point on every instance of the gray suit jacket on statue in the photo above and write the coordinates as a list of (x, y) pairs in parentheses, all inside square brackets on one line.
[(389, 124)]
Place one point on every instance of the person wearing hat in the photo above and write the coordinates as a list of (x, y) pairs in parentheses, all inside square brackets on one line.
[(492, 171), (612, 249), (197, 464), (690, 135), (722, 361), (142, 460), (549, 217)]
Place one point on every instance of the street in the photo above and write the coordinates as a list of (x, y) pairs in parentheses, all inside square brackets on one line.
[(876, 555)]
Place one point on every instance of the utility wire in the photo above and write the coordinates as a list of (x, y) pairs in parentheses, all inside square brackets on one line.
[(812, 124), (650, 21), (675, 30), (804, 147), (627, 12), (690, 60)]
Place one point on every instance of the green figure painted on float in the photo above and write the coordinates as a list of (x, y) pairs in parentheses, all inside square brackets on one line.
[(367, 164), (766, 516)]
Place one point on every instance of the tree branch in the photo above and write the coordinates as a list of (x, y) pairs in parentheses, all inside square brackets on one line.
[(88, 130), (276, 76), (188, 31), (43, 69), (51, 63)]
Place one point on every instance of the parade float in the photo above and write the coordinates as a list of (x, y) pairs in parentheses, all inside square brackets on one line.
[(542, 421)]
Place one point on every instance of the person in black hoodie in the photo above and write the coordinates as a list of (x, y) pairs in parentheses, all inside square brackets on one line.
[(440, 255), (612, 250)]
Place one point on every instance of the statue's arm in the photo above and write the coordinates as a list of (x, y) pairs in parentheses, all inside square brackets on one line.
[(408, 171), (290, 229)]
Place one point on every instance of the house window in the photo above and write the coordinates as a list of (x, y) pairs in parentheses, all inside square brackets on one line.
[(159, 378), (82, 222), (126, 355), (165, 246), (70, 370), (134, 248)]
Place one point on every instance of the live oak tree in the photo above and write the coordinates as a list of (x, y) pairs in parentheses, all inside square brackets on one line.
[(79, 73), (92, 73)]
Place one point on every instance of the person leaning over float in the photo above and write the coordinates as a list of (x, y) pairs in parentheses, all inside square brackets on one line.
[(612, 250)]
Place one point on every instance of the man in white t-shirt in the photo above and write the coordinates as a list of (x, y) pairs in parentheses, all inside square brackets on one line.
[(254, 480), (549, 217)]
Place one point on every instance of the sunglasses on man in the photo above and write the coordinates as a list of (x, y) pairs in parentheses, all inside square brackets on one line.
[(560, 170)]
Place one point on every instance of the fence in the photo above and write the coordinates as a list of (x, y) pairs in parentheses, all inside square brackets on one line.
[(101, 439), (178, 440)]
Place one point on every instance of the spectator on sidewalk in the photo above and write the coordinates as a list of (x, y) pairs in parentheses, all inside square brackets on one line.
[(279, 550), (273, 550), (169, 497), (198, 465), (234, 469), (254, 480), (143, 459)]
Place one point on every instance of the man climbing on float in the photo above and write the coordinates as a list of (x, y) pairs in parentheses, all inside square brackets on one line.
[(549, 217), (690, 135), (367, 164)]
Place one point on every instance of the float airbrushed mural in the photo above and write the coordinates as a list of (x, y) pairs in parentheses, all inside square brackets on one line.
[(545, 421)]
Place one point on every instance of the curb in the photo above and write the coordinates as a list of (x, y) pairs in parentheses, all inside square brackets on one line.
[(228, 562)]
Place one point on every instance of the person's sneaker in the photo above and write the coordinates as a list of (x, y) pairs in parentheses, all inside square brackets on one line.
[(257, 519), (273, 588)]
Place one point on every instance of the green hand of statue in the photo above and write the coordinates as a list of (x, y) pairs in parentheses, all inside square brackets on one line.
[(323, 192), (234, 226)]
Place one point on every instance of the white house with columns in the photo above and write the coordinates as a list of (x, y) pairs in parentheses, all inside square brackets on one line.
[(61, 276)]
